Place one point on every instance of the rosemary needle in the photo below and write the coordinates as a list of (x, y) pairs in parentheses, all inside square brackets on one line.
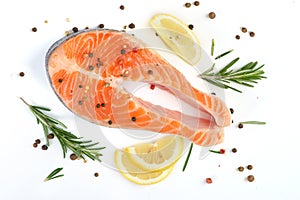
[(253, 122), (54, 175), (212, 47), (188, 157), (66, 139)]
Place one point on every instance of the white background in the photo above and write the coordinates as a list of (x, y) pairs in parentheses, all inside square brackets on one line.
[(272, 149)]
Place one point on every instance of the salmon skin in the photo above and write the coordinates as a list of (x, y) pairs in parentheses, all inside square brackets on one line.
[(87, 70)]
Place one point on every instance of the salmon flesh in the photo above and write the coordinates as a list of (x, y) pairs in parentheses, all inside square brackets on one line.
[(88, 69)]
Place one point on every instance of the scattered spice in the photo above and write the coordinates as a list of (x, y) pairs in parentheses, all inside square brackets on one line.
[(133, 119), (101, 25), (211, 15), (44, 147), (152, 87), (221, 151), (237, 37), (244, 30), (75, 29), (249, 167), (103, 104), (109, 122), (34, 29), (67, 19), (73, 156), (35, 145), (131, 25), (87, 27), (252, 34), (21, 74), (234, 150), (231, 110), (67, 33), (91, 68), (250, 178), (46, 21), (240, 125), (122, 7), (123, 51), (241, 168), (208, 180), (187, 5), (38, 141), (150, 71), (91, 55), (80, 86), (60, 80), (50, 136), (96, 174), (98, 105), (191, 26), (80, 102), (196, 3)]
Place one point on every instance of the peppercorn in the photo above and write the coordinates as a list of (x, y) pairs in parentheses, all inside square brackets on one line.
[(249, 167), (50, 136), (73, 156), (133, 119), (109, 122), (35, 145), (34, 29), (60, 80), (122, 7), (252, 34), (75, 29), (196, 3), (98, 105), (234, 150), (241, 168), (21, 74), (101, 25), (231, 110), (131, 25), (244, 30), (44, 147), (208, 180), (103, 104), (96, 174), (240, 125), (38, 141), (211, 15), (187, 5), (237, 37), (250, 178), (191, 26)]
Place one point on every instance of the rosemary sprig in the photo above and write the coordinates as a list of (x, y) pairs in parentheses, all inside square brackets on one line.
[(188, 157), (246, 75), (54, 175), (66, 139), (253, 122)]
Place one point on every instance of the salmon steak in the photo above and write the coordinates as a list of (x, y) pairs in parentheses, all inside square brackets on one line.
[(88, 69)]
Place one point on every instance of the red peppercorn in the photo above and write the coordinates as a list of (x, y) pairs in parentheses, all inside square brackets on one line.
[(222, 151), (208, 180), (152, 87)]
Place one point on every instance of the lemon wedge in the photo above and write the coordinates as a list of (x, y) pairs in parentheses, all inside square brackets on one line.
[(137, 175), (156, 155), (178, 37)]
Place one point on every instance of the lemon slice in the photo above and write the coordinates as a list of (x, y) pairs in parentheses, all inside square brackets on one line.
[(178, 37), (137, 175), (156, 155)]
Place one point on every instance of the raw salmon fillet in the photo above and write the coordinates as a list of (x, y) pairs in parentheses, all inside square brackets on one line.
[(87, 71)]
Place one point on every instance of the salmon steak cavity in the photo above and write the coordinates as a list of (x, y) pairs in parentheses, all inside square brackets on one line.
[(88, 69)]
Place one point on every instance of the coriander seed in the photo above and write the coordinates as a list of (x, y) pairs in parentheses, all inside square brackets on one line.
[(250, 178), (196, 3), (35, 145), (187, 5), (73, 156), (241, 168), (244, 30), (252, 34), (212, 15)]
